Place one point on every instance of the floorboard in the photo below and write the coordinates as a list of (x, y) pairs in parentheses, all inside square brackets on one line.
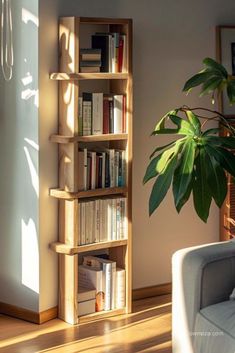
[(147, 329)]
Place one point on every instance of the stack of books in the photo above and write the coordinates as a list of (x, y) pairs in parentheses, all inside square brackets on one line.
[(108, 281), (103, 168), (86, 301), (113, 51), (101, 114), (90, 60), (102, 220)]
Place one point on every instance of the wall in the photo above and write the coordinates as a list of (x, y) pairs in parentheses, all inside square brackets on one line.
[(19, 189), (170, 41)]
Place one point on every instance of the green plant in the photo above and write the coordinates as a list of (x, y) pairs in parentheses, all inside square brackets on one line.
[(198, 160)]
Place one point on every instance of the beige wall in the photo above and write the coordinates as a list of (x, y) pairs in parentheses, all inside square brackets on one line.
[(170, 40)]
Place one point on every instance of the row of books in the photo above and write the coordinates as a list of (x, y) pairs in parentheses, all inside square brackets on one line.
[(101, 114), (103, 168), (107, 281), (90, 60), (113, 51), (102, 220)]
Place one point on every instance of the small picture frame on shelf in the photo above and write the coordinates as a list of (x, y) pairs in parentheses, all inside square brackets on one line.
[(225, 44)]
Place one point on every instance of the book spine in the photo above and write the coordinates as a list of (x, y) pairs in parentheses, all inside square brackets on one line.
[(107, 268), (120, 54), (111, 116), (86, 116), (120, 288), (97, 113), (124, 61), (124, 129), (114, 219), (103, 169), (116, 167), (118, 219), (79, 224), (111, 168), (97, 221), (109, 220), (83, 223), (106, 115), (80, 109), (117, 113), (103, 224)]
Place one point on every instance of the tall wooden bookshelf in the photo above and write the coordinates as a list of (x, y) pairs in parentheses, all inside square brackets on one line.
[(74, 32)]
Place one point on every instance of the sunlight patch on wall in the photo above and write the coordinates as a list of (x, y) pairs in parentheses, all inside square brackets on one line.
[(33, 172), (32, 143), (30, 256), (29, 16)]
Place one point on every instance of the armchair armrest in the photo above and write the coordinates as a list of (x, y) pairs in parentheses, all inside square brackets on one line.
[(202, 276)]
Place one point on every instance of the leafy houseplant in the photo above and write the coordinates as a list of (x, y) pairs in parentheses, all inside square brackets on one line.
[(198, 159)]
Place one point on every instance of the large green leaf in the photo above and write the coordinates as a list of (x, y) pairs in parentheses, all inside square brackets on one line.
[(210, 85), (186, 196), (201, 192), (161, 124), (162, 185), (213, 65), (194, 121), (211, 131), (196, 80), (216, 179), (183, 172), (184, 126), (227, 142), (151, 170), (225, 158), (160, 148)]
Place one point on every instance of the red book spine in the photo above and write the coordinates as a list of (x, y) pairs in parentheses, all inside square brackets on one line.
[(120, 54), (105, 116)]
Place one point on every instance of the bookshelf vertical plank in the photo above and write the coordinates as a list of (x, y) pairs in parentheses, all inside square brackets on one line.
[(123, 256), (68, 168)]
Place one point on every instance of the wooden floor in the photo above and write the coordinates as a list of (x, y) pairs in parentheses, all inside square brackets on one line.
[(147, 329)]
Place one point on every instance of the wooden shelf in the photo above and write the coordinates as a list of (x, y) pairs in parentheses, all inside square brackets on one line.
[(65, 195), (66, 249), (103, 21), (88, 76), (91, 138), (101, 315)]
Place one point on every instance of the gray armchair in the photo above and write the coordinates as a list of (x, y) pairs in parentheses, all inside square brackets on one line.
[(203, 317)]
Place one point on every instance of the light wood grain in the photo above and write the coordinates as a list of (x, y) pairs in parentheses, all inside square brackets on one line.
[(66, 249), (147, 329), (65, 76), (61, 194), (91, 138)]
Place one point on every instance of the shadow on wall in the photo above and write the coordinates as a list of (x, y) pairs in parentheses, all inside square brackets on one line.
[(19, 156)]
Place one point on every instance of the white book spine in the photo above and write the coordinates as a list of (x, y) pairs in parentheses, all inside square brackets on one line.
[(83, 223), (118, 219), (107, 268), (97, 221), (120, 288), (114, 219), (109, 220), (113, 54), (103, 225), (117, 113), (97, 113)]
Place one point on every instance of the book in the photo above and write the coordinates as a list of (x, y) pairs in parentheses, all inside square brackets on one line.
[(120, 288), (82, 170), (87, 307), (85, 63), (85, 294), (109, 269), (106, 100), (80, 105), (87, 113), (102, 41), (97, 113), (89, 54), (117, 113), (90, 69), (94, 279), (92, 155)]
